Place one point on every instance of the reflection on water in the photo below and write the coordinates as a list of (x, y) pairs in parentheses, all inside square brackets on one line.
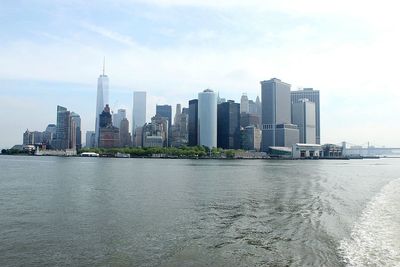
[(146, 212)]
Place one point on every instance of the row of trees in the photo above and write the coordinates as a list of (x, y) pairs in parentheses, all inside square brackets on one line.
[(181, 152)]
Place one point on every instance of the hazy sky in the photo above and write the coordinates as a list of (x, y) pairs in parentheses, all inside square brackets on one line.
[(51, 53)]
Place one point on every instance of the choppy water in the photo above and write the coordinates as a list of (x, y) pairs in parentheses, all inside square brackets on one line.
[(143, 212)]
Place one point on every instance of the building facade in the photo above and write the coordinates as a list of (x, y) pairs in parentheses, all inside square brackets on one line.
[(165, 111), (251, 138), (313, 96), (109, 134), (303, 115), (244, 104), (276, 110), (193, 122), (138, 113), (125, 138), (228, 125), (207, 118)]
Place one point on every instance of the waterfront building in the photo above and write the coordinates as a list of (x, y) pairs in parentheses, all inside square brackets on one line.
[(303, 115), (66, 130), (228, 125), (313, 96), (244, 104), (306, 151), (31, 138), (109, 134), (251, 138), (118, 117), (102, 99), (193, 122), (90, 139), (207, 118), (277, 129), (138, 113), (124, 135), (155, 133), (49, 134)]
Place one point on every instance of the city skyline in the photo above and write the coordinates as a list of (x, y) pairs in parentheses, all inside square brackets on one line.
[(173, 60)]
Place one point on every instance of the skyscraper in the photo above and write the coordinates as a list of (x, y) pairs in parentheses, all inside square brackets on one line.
[(244, 104), (207, 119), (228, 128), (76, 129), (124, 136), (138, 111), (165, 111), (102, 99), (313, 96), (67, 130), (277, 129), (178, 113), (193, 122), (109, 135), (118, 117), (303, 115)]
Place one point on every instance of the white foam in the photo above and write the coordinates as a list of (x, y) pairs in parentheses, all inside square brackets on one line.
[(375, 238)]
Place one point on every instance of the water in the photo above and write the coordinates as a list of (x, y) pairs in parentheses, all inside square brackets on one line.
[(153, 212)]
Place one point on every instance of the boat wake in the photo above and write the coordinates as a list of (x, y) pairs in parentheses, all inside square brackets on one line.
[(375, 238)]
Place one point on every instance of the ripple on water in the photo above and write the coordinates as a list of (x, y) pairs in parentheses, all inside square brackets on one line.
[(375, 238)]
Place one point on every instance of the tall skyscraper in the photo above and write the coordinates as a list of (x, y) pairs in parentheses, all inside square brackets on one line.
[(313, 96), (138, 111), (228, 128), (118, 117), (193, 122), (102, 99), (303, 115), (67, 130), (124, 135), (165, 111), (76, 129), (207, 118), (178, 113), (277, 129), (244, 104)]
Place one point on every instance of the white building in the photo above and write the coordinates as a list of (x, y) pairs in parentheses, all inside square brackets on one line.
[(138, 111), (306, 151), (303, 115), (207, 118), (102, 100)]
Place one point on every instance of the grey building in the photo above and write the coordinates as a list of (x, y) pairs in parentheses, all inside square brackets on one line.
[(276, 115), (251, 138), (63, 130), (303, 115), (228, 125), (286, 135), (76, 129), (90, 139), (193, 122), (313, 96)]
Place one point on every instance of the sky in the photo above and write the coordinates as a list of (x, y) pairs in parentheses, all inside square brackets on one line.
[(51, 53)]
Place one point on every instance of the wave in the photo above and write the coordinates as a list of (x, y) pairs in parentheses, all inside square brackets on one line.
[(375, 238)]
